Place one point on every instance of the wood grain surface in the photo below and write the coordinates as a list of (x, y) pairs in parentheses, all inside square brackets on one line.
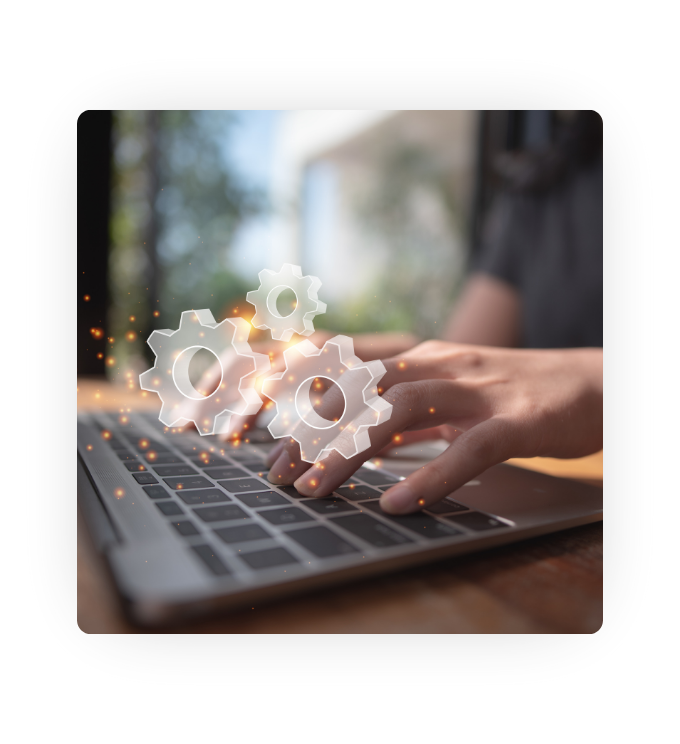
[(550, 584)]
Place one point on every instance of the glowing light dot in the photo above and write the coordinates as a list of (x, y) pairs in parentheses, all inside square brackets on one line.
[(89, 446), (431, 410), (156, 313), (421, 502), (130, 335), (402, 365), (119, 493), (132, 319), (86, 298)]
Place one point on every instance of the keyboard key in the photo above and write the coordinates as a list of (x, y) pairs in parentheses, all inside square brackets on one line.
[(243, 485), (446, 506), (358, 493), (252, 465), (220, 513), (208, 460), (375, 477), (268, 558), (292, 492), (213, 562), (239, 455), (144, 478), (242, 533), (329, 505), (287, 516), (204, 496), (135, 467), (477, 521), (371, 530), (226, 472), (186, 528), (264, 498), (126, 455), (321, 541), (156, 492), (189, 481), (419, 523), (175, 470), (162, 458), (169, 508)]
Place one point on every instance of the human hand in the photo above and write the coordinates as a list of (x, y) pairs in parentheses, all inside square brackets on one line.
[(491, 404)]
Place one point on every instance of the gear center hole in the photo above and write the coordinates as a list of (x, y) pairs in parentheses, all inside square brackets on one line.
[(202, 361), (282, 301), (320, 402), (197, 372)]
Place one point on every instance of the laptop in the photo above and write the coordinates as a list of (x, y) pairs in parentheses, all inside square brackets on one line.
[(190, 526)]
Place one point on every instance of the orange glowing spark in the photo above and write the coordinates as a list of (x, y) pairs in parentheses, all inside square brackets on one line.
[(110, 361), (96, 332), (396, 438), (123, 419), (312, 483), (151, 455), (100, 355), (106, 434), (119, 493), (132, 319), (156, 313), (431, 410), (89, 446), (421, 502), (87, 298), (130, 335), (143, 443), (402, 365)]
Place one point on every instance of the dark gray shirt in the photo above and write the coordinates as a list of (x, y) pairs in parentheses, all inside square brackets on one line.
[(549, 247)]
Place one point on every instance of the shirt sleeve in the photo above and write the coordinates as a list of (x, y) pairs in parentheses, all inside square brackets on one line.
[(501, 254)]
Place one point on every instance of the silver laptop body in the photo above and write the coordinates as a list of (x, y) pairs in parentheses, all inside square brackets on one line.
[(189, 526)]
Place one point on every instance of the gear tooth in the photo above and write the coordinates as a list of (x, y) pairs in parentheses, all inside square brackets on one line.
[(206, 318), (186, 319), (146, 380), (158, 338), (281, 334)]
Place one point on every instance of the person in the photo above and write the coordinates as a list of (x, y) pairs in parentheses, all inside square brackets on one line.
[(519, 370)]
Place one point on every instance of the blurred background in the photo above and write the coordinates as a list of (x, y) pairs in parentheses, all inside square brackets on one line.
[(182, 209)]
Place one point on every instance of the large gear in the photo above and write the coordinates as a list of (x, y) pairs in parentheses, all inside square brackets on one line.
[(308, 305), (295, 414), (169, 377)]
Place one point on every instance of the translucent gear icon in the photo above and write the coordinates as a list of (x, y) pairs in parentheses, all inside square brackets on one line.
[(295, 415), (308, 305), (169, 377)]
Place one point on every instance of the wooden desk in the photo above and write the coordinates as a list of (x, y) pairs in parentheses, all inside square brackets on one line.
[(550, 584)]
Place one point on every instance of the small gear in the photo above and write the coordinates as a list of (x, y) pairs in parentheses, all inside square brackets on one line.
[(169, 377), (295, 414), (308, 306)]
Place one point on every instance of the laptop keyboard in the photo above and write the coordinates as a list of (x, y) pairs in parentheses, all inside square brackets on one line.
[(215, 494)]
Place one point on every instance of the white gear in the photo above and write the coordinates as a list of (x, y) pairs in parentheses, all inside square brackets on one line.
[(264, 298), (169, 377), (295, 414)]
